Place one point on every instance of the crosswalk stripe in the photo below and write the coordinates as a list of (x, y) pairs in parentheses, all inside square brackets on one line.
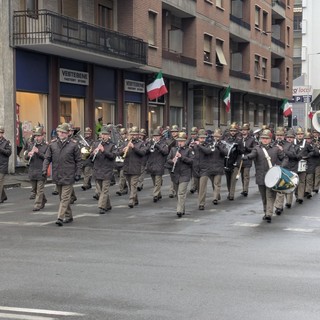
[(40, 311), (299, 230), (246, 224)]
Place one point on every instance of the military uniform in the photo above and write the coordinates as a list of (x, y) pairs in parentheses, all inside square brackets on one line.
[(123, 188), (87, 164), (35, 157), (104, 154), (66, 169), (5, 153), (180, 159)]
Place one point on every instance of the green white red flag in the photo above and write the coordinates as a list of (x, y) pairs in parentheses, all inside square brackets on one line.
[(157, 88), (286, 108), (310, 114), (227, 99)]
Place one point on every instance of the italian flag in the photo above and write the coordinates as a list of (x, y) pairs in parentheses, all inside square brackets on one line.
[(286, 108), (227, 99), (310, 114), (157, 88)]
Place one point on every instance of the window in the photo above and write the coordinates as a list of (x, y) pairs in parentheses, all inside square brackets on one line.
[(256, 118), (288, 36), (69, 8), (220, 58), (265, 21), (257, 17), (257, 66), (219, 3), (152, 28), (297, 22), (288, 77), (296, 71), (264, 68), (207, 48), (288, 3), (105, 15), (32, 8)]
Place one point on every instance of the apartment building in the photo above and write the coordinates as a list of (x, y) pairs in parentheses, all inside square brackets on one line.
[(79, 60)]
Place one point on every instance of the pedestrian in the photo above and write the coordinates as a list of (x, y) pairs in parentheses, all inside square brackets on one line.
[(35, 157), (180, 159), (266, 155), (5, 153), (66, 169), (103, 156), (133, 153)]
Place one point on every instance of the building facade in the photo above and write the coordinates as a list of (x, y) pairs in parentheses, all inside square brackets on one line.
[(78, 60)]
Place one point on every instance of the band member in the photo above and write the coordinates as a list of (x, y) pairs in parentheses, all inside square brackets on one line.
[(316, 141), (142, 137), (248, 143), (87, 164), (265, 156), (180, 159), (171, 141), (133, 154), (35, 157), (123, 188), (313, 159), (232, 160), (301, 143), (157, 155), (66, 168), (5, 153), (103, 155), (210, 165), (191, 143)]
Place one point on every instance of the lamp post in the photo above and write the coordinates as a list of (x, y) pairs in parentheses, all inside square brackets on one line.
[(307, 104)]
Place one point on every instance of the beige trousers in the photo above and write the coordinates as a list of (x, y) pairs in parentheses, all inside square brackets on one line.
[(181, 192), (65, 193), (104, 198)]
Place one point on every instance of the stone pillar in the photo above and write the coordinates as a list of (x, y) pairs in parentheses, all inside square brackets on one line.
[(7, 83)]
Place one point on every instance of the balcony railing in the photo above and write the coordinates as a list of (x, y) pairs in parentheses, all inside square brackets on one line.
[(240, 22), (239, 74), (278, 42), (277, 85), (46, 27), (178, 57)]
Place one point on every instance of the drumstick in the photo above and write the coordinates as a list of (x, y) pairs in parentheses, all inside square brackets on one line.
[(239, 171)]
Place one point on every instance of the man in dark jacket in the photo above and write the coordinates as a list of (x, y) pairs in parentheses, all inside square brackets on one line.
[(157, 151), (35, 157), (180, 159), (104, 153), (87, 164), (66, 168), (265, 156), (5, 153), (210, 165), (133, 153)]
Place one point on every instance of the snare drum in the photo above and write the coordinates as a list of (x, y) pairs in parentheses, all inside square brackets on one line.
[(302, 166), (281, 180)]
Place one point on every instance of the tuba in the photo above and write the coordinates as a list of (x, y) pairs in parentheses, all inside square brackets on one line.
[(315, 121)]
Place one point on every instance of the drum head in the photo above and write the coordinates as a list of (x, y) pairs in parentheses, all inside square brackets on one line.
[(272, 177)]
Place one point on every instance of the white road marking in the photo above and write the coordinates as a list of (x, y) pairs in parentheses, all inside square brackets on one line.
[(312, 218), (299, 230), (23, 317), (86, 205), (187, 219), (246, 224), (5, 212), (40, 311)]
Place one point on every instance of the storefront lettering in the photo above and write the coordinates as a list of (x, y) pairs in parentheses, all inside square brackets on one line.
[(73, 76), (134, 86)]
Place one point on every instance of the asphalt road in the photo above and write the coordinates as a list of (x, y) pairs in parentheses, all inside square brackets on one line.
[(144, 263)]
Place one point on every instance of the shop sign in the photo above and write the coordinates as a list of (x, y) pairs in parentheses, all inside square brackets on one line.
[(134, 86), (74, 76)]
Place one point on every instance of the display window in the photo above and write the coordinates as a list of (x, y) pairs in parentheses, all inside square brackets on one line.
[(132, 115), (155, 117), (176, 116), (105, 110), (71, 111), (31, 112)]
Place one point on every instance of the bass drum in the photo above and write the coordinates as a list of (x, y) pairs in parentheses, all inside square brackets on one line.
[(316, 121)]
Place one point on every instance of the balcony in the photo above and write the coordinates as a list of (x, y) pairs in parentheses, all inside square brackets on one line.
[(240, 22), (178, 57), (239, 74), (48, 32)]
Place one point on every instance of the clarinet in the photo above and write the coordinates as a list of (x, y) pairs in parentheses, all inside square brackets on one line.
[(96, 152), (175, 162)]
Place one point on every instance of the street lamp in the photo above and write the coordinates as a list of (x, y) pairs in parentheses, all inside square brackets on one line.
[(307, 105)]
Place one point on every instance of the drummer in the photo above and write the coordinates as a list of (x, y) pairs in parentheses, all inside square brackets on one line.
[(265, 156)]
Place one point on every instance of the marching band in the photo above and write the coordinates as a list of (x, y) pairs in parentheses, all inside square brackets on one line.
[(287, 164)]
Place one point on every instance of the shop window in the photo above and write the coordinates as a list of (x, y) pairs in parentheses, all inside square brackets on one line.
[(132, 115), (288, 77), (105, 14), (257, 66), (72, 111), (105, 110), (152, 28), (265, 21), (176, 116), (264, 68), (207, 44), (220, 58)]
